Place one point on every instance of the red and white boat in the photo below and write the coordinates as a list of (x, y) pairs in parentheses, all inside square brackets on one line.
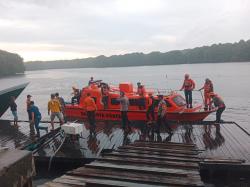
[(176, 105)]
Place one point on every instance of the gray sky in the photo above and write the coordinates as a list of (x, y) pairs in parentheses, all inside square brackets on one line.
[(67, 29)]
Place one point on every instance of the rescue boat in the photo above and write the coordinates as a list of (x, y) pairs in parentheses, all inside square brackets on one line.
[(176, 105)]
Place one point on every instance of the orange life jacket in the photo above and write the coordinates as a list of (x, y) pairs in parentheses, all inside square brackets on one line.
[(141, 91), (89, 104), (188, 84)]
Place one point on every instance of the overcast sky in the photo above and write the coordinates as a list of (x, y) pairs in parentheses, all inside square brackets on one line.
[(67, 29)]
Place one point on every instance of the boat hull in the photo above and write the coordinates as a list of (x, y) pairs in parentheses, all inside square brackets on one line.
[(6, 94), (77, 113)]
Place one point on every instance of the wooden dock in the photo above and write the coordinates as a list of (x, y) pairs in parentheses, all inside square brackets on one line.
[(170, 164)]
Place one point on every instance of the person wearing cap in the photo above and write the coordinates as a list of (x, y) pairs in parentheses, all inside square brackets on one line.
[(219, 103), (28, 100), (54, 110), (188, 86), (90, 107), (151, 108), (141, 92), (208, 88), (124, 104)]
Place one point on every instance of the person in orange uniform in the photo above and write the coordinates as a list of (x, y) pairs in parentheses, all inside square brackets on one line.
[(90, 107), (208, 88), (218, 102), (188, 86), (141, 93)]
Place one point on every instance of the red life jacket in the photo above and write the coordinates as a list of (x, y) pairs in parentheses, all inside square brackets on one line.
[(188, 84)]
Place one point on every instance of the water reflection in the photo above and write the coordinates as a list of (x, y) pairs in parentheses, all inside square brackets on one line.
[(212, 140)]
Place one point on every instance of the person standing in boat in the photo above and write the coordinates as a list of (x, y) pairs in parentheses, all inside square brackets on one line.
[(90, 107), (36, 118), (188, 86), (151, 108), (141, 93), (91, 81), (208, 88), (76, 95), (54, 110), (13, 108), (218, 102), (124, 104), (28, 100), (105, 95)]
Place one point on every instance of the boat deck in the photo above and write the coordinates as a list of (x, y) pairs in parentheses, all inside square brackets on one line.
[(224, 141), (180, 169)]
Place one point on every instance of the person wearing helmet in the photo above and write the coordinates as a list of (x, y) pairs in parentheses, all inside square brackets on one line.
[(188, 86), (218, 102), (141, 92), (208, 88)]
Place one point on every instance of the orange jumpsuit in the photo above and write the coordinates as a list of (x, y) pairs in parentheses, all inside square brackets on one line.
[(208, 88)]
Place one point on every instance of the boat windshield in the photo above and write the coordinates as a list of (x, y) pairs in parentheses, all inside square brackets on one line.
[(179, 101)]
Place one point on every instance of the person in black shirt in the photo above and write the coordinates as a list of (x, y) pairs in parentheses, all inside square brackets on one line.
[(13, 108)]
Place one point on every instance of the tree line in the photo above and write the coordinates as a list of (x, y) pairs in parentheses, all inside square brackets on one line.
[(10, 64), (216, 53)]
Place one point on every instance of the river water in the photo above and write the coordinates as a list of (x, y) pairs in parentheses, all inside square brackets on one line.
[(231, 82)]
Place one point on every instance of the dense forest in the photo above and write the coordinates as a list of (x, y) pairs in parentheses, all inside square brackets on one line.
[(10, 64), (216, 53)]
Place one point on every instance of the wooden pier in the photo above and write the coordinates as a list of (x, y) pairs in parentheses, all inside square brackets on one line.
[(171, 164)]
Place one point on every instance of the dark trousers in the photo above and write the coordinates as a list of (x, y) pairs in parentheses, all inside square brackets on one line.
[(124, 116), (75, 99), (189, 99), (29, 115), (37, 127), (150, 112), (218, 114), (91, 119), (105, 100), (162, 121), (142, 103)]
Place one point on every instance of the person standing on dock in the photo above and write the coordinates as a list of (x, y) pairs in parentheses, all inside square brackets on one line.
[(54, 110), (218, 102), (13, 108), (105, 95), (36, 118), (90, 107), (151, 108), (124, 104), (188, 86), (208, 88), (28, 100)]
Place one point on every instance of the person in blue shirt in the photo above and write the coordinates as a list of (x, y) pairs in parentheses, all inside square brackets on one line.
[(36, 118)]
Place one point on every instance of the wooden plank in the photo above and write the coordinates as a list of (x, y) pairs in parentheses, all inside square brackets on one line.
[(156, 153), (143, 161), (146, 178), (162, 146), (152, 156), (167, 143), (163, 171), (167, 150)]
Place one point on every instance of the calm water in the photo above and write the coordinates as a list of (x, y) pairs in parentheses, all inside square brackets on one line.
[(231, 81)]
